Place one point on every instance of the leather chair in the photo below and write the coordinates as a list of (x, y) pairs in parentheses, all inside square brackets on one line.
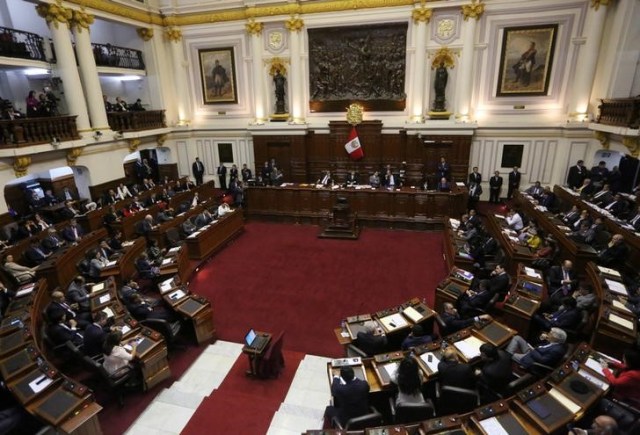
[(456, 400), (411, 412), (272, 363), (169, 330), (113, 382), (173, 237), (374, 418)]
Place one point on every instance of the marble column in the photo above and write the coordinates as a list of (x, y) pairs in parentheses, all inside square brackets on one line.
[(296, 90), (174, 36), (587, 60), (421, 17), (254, 29), (58, 18), (472, 14), (93, 91)]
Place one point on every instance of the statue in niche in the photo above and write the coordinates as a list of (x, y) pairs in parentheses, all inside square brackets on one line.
[(440, 85), (279, 82)]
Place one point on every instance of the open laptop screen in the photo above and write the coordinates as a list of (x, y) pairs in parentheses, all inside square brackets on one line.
[(251, 335)]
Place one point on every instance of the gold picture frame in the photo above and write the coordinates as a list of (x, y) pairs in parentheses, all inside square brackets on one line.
[(218, 75)]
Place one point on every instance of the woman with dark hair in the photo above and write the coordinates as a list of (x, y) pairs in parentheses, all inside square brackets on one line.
[(626, 380), (409, 380), (33, 105), (115, 355)]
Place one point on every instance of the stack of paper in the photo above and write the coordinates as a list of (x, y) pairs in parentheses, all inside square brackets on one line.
[(25, 290), (492, 426), (594, 365), (609, 271), (532, 273), (616, 287), (98, 287), (412, 314), (104, 298), (166, 261), (620, 306), (178, 294), (627, 324), (174, 250), (391, 368), (111, 263), (393, 321), (167, 285), (469, 347), (433, 364)]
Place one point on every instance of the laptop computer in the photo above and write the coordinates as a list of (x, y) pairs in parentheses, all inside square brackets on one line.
[(255, 341)]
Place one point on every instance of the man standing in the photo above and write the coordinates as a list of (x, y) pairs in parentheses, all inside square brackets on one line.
[(198, 171), (495, 187), (475, 176), (246, 173), (514, 182), (222, 176), (577, 174)]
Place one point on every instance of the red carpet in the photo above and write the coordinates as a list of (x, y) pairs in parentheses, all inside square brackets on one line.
[(241, 399), (282, 277)]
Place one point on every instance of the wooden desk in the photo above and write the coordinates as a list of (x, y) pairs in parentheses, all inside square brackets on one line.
[(452, 246), (255, 355), (515, 253), (178, 264), (152, 354), (126, 263), (502, 413), (448, 291), (403, 208), (199, 310), (555, 414), (205, 242), (523, 303)]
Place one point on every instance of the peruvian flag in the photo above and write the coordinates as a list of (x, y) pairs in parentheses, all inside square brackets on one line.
[(353, 146)]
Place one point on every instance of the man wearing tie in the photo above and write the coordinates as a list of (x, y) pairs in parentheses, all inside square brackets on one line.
[(514, 182), (52, 242), (246, 173), (390, 180), (562, 282), (443, 169), (73, 232), (35, 254), (222, 176), (495, 187), (577, 174), (635, 221), (325, 180), (535, 190), (475, 190), (617, 206), (475, 176), (198, 171)]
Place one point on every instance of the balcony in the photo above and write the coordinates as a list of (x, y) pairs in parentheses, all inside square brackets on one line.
[(22, 45), (33, 131), (136, 121), (620, 112), (117, 57)]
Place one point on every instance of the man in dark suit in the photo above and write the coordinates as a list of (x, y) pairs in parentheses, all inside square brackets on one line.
[(452, 373), (198, 171), (325, 179), (475, 190), (49, 198), (222, 176), (203, 219), (95, 334), (352, 179), (371, 341), (453, 322), (577, 174), (73, 233), (59, 332), (618, 206), (245, 173), (495, 187), (351, 396), (549, 353), (35, 254), (496, 371), (562, 281), (635, 221), (444, 169), (535, 191), (603, 197), (587, 189), (568, 316), (59, 305), (499, 281), (599, 174), (52, 242), (615, 254), (77, 293), (475, 176), (469, 302), (514, 182)]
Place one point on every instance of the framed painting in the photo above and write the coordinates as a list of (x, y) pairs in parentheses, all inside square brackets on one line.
[(512, 156), (218, 75), (526, 60)]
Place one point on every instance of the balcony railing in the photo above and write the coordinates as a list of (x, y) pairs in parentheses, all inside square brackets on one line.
[(136, 121), (117, 57), (622, 112), (33, 131), (23, 45)]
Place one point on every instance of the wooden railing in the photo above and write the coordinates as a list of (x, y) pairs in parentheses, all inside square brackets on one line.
[(136, 121), (117, 57), (622, 112), (24, 45), (33, 131)]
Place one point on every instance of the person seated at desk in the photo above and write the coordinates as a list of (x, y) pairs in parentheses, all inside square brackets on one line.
[(374, 180), (416, 337), (52, 242), (145, 267), (154, 199), (514, 220), (204, 218), (601, 425), (67, 195), (147, 184), (618, 206), (77, 294), (69, 211), (116, 357), (142, 309), (548, 198), (587, 189), (73, 233), (563, 281), (34, 254), (409, 380), (277, 177), (60, 332), (115, 242), (581, 234), (96, 263), (123, 192), (372, 340), (454, 323), (635, 220), (626, 379), (188, 227), (453, 373), (499, 280), (165, 215), (470, 233), (351, 397), (352, 179), (615, 254), (96, 333), (224, 209), (43, 224), (471, 302), (603, 197), (22, 274), (495, 373), (531, 239), (49, 198), (585, 218), (443, 185), (111, 216), (110, 197), (325, 179), (146, 226), (136, 205), (535, 191), (391, 181), (568, 316), (549, 353), (571, 216), (154, 252)]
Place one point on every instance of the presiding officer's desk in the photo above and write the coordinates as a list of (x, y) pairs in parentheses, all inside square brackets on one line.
[(401, 208), (578, 253)]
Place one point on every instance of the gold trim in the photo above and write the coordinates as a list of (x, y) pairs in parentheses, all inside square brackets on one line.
[(633, 144), (173, 34), (595, 4), (421, 15), (21, 165), (81, 20), (73, 154), (134, 144), (355, 113), (277, 64), (253, 27), (474, 10), (603, 138), (444, 55), (161, 139), (294, 24), (55, 13), (145, 33)]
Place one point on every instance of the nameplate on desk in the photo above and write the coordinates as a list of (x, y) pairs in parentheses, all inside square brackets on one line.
[(40, 383), (343, 362)]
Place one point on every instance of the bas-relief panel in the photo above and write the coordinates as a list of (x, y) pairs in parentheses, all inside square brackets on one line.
[(445, 28)]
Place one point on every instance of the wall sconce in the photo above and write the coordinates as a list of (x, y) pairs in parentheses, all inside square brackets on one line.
[(119, 135), (55, 142), (97, 135)]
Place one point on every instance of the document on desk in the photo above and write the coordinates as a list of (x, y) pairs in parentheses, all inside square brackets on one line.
[(108, 311), (592, 379), (104, 298), (393, 321), (532, 272), (594, 365), (40, 383), (620, 306), (391, 368), (616, 287), (627, 324), (125, 329), (193, 235), (98, 287), (167, 285), (166, 261), (127, 243), (412, 314), (492, 426), (609, 271), (433, 364), (572, 406), (174, 250), (25, 290), (111, 263), (469, 347), (178, 294)]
